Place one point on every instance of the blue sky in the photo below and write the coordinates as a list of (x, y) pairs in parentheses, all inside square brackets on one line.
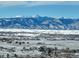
[(42, 8)]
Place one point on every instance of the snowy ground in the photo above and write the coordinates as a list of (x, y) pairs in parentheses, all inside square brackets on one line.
[(42, 31), (28, 47)]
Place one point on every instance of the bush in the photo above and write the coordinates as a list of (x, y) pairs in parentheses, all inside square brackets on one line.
[(42, 49), (15, 55)]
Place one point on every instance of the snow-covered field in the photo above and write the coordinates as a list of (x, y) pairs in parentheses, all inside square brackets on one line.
[(42, 31), (26, 43)]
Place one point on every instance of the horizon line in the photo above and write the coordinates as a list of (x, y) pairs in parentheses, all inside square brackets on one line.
[(18, 16)]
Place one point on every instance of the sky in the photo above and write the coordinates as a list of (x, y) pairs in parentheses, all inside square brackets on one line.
[(42, 8)]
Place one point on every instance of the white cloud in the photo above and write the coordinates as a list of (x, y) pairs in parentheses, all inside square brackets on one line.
[(36, 3), (12, 3), (27, 3)]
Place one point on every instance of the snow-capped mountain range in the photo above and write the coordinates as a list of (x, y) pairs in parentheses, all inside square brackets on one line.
[(40, 22)]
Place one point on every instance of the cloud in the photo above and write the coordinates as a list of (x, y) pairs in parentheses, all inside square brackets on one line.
[(37, 3), (12, 3), (27, 3)]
